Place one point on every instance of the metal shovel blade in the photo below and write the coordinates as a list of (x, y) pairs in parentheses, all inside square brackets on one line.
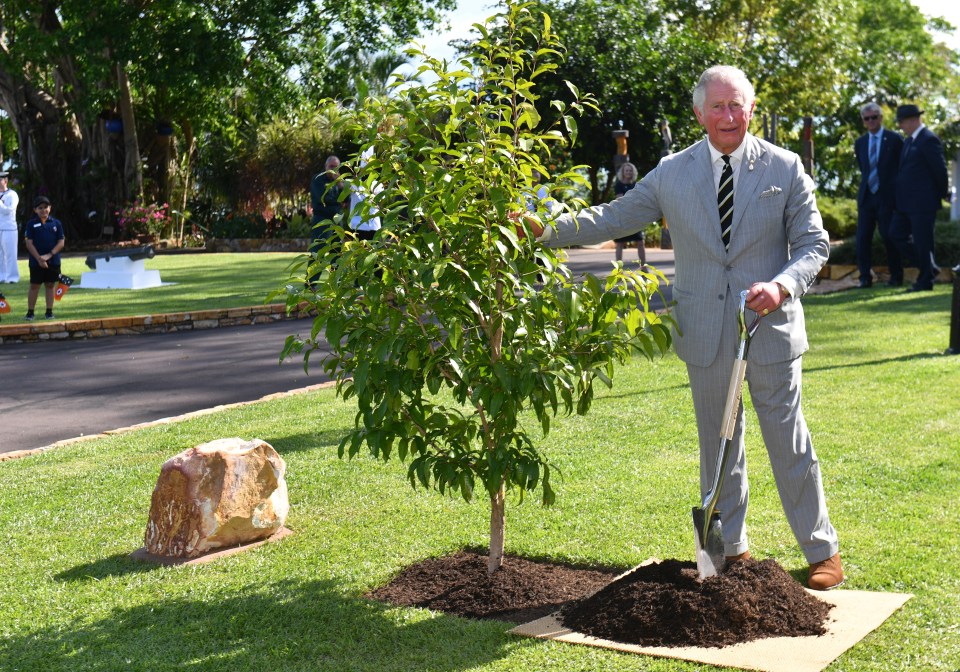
[(709, 538)]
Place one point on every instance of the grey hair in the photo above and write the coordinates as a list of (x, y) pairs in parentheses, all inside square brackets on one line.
[(871, 107), (727, 74)]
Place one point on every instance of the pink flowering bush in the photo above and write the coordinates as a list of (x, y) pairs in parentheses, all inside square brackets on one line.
[(140, 218)]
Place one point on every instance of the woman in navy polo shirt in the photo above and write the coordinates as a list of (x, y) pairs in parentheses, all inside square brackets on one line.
[(43, 236)]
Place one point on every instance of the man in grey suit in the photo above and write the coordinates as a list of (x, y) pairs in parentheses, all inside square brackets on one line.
[(776, 245), (921, 187), (878, 155)]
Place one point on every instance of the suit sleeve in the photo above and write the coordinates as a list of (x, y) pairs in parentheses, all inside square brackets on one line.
[(936, 161), (621, 217), (808, 241)]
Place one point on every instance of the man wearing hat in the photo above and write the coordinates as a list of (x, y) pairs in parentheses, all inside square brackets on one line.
[(8, 231), (921, 186)]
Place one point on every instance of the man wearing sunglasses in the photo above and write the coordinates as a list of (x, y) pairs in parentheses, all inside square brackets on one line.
[(878, 155)]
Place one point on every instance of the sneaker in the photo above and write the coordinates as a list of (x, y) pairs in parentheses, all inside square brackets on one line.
[(29, 316), (48, 315)]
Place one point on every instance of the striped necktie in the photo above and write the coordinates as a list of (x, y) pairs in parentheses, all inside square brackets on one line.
[(873, 179), (725, 201)]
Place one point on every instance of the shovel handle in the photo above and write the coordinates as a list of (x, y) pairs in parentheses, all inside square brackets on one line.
[(732, 406)]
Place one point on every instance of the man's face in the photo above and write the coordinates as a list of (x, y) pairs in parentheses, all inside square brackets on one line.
[(909, 125), (332, 166), (726, 115), (3, 183), (872, 120), (43, 211)]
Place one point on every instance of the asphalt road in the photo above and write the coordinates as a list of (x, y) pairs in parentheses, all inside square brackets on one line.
[(51, 391)]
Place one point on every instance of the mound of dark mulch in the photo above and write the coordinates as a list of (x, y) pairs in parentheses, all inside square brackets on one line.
[(663, 604), (521, 590), (666, 604)]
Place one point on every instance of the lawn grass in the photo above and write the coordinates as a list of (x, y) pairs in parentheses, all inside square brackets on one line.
[(880, 398), (198, 282)]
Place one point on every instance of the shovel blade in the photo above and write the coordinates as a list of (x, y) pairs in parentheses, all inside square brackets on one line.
[(709, 541)]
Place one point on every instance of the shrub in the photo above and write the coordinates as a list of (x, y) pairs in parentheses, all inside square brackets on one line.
[(839, 216), (946, 238)]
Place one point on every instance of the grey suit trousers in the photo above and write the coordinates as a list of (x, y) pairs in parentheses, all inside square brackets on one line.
[(789, 446)]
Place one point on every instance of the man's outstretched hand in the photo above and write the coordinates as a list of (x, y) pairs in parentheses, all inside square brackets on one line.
[(518, 218)]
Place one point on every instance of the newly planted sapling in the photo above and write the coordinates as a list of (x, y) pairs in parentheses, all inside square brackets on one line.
[(447, 327)]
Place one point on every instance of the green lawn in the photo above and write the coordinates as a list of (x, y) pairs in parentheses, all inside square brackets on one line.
[(881, 401), (199, 282)]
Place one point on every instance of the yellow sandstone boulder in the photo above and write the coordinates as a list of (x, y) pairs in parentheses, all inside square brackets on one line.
[(220, 494)]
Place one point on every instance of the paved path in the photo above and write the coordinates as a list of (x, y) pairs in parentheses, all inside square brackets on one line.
[(56, 390)]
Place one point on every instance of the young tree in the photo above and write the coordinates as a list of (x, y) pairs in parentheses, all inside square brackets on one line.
[(447, 327)]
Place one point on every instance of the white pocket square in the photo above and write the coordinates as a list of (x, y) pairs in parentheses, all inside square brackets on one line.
[(772, 191)]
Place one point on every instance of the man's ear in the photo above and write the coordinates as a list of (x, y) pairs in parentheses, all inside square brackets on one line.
[(699, 116)]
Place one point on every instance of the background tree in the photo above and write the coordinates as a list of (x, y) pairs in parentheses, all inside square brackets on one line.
[(446, 327), (640, 72), (66, 67)]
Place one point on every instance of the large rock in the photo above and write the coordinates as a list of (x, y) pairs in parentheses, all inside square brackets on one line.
[(223, 493)]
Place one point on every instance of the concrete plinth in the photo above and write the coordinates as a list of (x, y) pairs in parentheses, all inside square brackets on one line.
[(120, 273)]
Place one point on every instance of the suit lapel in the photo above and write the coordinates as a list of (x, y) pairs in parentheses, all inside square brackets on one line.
[(752, 170), (702, 182)]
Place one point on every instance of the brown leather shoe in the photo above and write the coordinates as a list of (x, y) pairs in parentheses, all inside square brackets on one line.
[(827, 574), (737, 558)]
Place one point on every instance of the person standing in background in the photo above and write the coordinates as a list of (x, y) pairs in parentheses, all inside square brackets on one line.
[(9, 238), (43, 237), (627, 180), (878, 155), (325, 191), (921, 187)]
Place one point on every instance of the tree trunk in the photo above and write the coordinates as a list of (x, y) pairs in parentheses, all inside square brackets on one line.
[(51, 143), (498, 529), (132, 171)]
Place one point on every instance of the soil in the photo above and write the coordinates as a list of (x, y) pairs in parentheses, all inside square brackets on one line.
[(666, 604), (662, 604), (521, 590)]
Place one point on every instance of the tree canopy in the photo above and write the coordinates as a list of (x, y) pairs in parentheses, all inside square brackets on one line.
[(189, 68)]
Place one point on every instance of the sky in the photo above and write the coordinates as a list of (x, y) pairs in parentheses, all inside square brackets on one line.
[(948, 9), (469, 12)]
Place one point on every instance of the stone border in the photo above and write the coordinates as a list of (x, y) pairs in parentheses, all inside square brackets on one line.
[(51, 330)]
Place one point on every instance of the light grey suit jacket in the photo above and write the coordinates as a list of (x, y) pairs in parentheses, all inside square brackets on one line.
[(777, 236)]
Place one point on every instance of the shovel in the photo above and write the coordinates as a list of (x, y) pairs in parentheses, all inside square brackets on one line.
[(706, 518)]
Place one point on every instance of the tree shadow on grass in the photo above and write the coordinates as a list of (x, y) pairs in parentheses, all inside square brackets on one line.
[(875, 362), (307, 441), (285, 625), (878, 301), (118, 564)]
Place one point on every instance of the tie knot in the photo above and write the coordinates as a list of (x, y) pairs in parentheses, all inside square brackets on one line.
[(726, 159)]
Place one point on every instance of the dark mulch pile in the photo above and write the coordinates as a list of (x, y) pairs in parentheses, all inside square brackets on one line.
[(665, 604), (520, 591)]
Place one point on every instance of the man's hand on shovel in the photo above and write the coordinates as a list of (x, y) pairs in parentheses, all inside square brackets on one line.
[(765, 297)]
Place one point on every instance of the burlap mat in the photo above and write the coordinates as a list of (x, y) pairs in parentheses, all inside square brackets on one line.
[(856, 613)]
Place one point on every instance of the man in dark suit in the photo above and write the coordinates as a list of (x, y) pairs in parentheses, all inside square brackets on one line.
[(921, 186), (878, 155)]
